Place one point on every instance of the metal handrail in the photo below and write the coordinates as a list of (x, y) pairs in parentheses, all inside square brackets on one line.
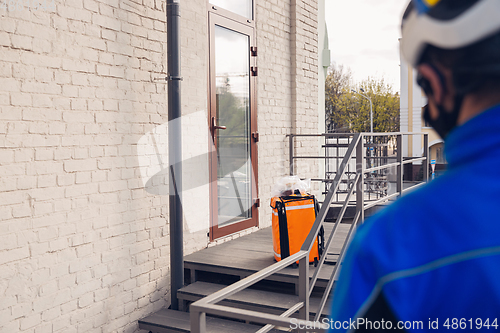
[(332, 279), (309, 241), (336, 270), (285, 314), (339, 218), (207, 305)]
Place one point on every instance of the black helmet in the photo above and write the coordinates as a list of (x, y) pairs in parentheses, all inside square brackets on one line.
[(463, 35)]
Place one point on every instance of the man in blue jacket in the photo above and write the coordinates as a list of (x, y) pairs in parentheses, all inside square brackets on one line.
[(431, 261)]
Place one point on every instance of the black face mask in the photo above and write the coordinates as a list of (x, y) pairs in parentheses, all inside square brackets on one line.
[(446, 121)]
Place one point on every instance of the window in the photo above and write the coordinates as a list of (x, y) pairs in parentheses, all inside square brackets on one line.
[(440, 155), (241, 7)]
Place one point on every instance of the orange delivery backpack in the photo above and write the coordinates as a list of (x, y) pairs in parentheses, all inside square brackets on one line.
[(293, 217)]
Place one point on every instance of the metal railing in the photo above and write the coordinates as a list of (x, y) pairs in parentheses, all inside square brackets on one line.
[(355, 150)]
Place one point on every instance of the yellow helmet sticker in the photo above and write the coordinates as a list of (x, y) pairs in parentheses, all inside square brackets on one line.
[(423, 6), (432, 3)]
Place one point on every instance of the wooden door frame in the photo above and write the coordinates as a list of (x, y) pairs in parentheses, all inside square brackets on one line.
[(247, 29)]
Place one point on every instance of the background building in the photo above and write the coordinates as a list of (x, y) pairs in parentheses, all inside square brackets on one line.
[(412, 101)]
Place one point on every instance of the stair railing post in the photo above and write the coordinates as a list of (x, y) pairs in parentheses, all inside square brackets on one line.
[(426, 155), (360, 169), (198, 320), (290, 149), (399, 174), (304, 287)]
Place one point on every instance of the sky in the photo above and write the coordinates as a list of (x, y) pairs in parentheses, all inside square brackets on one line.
[(363, 35)]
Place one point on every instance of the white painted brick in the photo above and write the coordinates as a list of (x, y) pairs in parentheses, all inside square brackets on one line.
[(42, 101), (80, 165), (46, 234), (41, 46), (83, 177), (58, 244), (6, 156), (13, 255), (108, 34), (8, 242), (48, 288), (4, 100), (44, 74), (8, 24), (42, 208), (20, 99), (84, 250), (22, 210), (23, 71), (86, 300), (12, 170), (30, 321), (44, 154), (51, 314), (47, 181), (22, 42), (12, 197), (74, 13), (78, 66), (91, 5), (40, 60), (44, 328), (66, 179), (24, 183), (40, 87), (106, 22), (41, 114), (46, 221)]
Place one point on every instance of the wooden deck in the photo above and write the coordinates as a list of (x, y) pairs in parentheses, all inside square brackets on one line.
[(170, 321), (237, 259), (246, 255)]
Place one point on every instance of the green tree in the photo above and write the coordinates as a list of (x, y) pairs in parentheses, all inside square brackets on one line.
[(337, 104), (347, 111)]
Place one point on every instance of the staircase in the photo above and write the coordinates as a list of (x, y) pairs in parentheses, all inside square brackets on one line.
[(214, 268), (262, 291)]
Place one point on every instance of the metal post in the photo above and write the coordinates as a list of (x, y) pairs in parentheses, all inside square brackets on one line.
[(371, 116), (290, 149), (304, 287), (360, 169), (337, 165), (198, 320), (426, 155), (175, 150), (399, 174), (371, 119)]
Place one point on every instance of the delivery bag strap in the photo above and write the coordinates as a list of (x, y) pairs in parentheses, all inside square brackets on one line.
[(283, 229), (321, 233)]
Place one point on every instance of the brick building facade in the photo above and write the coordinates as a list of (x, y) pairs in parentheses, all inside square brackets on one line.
[(84, 242)]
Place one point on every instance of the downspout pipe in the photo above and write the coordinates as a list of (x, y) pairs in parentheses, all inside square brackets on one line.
[(175, 150)]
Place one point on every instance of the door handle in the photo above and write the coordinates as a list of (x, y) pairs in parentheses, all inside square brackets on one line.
[(215, 126)]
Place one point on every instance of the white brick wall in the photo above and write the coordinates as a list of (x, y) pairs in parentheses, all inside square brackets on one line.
[(80, 250), (287, 39), (84, 247)]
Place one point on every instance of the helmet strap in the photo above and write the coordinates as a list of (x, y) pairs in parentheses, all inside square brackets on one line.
[(446, 121)]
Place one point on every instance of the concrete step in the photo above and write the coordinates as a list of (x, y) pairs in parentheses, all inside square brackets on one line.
[(249, 299), (171, 321)]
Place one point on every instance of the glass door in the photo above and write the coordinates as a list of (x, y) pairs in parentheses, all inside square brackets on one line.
[(232, 122)]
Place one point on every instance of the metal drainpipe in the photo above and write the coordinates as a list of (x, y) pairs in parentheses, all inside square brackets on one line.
[(175, 150)]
